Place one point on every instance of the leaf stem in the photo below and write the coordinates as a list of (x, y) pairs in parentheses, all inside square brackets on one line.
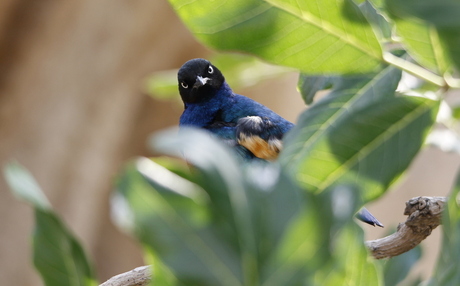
[(414, 69), (451, 81)]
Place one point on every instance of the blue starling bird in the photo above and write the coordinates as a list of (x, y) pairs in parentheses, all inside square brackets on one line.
[(254, 130)]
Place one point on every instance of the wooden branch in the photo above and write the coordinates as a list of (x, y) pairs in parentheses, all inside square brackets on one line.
[(139, 276), (424, 216)]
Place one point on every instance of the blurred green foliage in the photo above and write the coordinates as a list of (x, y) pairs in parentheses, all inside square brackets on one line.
[(251, 225), (57, 254), (219, 221)]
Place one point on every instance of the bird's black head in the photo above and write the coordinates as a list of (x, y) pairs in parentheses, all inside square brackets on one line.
[(199, 80)]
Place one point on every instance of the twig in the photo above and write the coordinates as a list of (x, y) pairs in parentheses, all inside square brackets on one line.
[(424, 216), (139, 276), (414, 69)]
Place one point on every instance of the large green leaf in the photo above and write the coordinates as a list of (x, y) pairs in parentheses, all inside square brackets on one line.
[(225, 223), (423, 43), (319, 36), (360, 133), (430, 29), (173, 221), (58, 256), (446, 272), (215, 230)]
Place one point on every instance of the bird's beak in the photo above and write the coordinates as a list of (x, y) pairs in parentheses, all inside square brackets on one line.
[(200, 81)]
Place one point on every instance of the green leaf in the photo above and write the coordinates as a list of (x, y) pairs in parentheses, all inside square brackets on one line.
[(397, 268), (58, 256), (450, 38), (430, 29), (323, 246), (377, 20), (423, 43), (225, 223), (441, 13), (24, 186), (360, 133), (206, 232), (309, 85), (173, 222), (348, 251), (456, 112), (446, 272), (320, 36)]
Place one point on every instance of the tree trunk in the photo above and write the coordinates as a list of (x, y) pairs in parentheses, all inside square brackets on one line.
[(72, 111)]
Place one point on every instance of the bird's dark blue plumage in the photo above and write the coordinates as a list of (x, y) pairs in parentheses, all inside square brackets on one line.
[(255, 130), (252, 129)]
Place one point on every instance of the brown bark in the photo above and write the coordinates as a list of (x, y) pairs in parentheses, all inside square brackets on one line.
[(424, 216)]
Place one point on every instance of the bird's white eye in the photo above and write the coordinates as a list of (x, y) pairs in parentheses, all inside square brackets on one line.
[(184, 85), (210, 69)]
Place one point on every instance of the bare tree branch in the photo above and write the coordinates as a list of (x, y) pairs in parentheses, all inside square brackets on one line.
[(139, 276), (424, 216)]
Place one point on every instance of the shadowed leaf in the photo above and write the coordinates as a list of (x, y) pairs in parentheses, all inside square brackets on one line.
[(430, 29)]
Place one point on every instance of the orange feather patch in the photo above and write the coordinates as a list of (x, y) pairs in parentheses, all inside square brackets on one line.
[(267, 150)]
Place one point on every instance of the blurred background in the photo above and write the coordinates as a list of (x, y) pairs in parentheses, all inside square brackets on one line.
[(74, 109)]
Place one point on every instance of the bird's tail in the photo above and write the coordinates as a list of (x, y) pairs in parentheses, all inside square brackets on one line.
[(365, 216)]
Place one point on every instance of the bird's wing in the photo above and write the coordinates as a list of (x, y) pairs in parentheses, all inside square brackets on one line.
[(259, 135)]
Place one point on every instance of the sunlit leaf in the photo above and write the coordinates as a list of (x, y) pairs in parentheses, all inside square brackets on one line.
[(313, 36), (423, 43), (360, 133), (58, 256)]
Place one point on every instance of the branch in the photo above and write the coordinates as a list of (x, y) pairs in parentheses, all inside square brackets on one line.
[(424, 216), (139, 276)]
